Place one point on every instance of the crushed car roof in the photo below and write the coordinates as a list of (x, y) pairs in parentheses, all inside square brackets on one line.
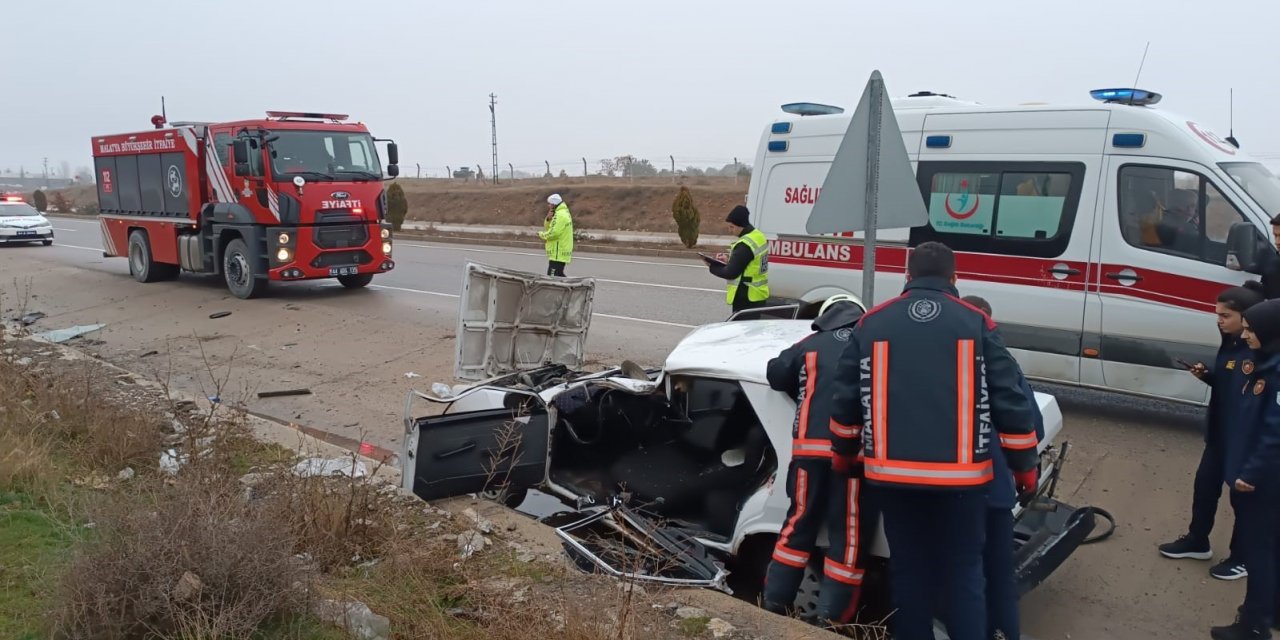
[(735, 350)]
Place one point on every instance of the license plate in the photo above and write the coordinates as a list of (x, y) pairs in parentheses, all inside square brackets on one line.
[(342, 271), (26, 233)]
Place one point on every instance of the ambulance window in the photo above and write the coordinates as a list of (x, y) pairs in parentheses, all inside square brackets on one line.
[(1012, 208), (1176, 212)]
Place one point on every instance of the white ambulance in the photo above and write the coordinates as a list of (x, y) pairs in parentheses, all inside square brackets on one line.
[(1098, 232)]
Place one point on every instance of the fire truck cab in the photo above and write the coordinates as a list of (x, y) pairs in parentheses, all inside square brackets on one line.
[(294, 196)]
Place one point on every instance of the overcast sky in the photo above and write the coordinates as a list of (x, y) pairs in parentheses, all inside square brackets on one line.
[(695, 79)]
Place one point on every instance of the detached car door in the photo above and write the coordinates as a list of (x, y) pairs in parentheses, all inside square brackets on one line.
[(477, 451)]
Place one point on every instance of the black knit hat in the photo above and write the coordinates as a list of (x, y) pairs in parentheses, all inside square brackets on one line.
[(739, 216), (1264, 322)]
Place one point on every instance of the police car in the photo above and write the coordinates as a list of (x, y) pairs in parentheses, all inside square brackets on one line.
[(20, 222), (687, 461)]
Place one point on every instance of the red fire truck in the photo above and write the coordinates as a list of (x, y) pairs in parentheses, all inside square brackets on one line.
[(294, 196)]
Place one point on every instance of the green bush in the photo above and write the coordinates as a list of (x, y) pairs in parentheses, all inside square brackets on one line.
[(40, 201), (397, 206), (687, 218)]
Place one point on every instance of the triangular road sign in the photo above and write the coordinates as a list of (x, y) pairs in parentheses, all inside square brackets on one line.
[(857, 187)]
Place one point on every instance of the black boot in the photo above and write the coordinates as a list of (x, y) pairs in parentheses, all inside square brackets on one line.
[(1239, 631)]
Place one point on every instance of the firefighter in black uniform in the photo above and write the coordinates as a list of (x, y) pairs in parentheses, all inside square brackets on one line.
[(923, 380), (820, 492)]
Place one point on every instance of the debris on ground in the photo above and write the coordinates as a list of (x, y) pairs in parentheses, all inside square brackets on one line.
[(470, 542), (483, 524), (188, 588), (412, 375), (219, 314), (719, 628), (355, 617), (171, 462), (149, 354), (685, 613), (31, 318), (324, 467), (125, 474), (284, 392), (58, 336)]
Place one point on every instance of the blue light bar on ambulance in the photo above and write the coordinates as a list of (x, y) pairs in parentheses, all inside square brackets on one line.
[(1129, 140), (780, 127), (1139, 97), (778, 145), (938, 142), (811, 109)]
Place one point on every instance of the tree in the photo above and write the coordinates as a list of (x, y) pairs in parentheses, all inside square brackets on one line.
[(609, 167), (643, 169), (397, 206), (693, 171), (564, 174), (687, 218), (464, 173), (40, 201), (60, 203)]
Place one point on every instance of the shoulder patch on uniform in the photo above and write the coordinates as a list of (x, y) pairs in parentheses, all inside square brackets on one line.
[(1259, 386), (924, 310), (1231, 364), (1246, 367), (843, 334)]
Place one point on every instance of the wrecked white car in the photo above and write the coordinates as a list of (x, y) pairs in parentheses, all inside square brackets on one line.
[(671, 475)]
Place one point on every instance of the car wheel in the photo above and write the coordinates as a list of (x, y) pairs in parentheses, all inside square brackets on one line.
[(47, 243), (239, 272), (357, 281), (511, 497), (141, 265)]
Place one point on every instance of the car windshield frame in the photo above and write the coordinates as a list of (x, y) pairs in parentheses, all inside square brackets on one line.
[(1258, 182), (320, 155), (25, 210)]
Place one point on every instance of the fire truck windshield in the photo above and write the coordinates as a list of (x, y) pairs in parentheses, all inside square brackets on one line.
[(324, 155)]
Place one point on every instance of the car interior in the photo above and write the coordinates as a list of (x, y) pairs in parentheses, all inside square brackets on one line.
[(692, 459)]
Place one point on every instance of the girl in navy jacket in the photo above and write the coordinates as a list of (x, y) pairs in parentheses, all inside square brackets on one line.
[(1234, 364), (1252, 468)]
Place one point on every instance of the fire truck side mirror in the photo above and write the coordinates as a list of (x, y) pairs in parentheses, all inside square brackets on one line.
[(240, 151), (393, 170), (393, 154)]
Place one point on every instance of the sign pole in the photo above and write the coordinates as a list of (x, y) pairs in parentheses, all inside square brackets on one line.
[(872, 195)]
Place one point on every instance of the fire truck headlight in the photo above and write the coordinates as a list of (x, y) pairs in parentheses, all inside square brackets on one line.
[(386, 233), (386, 248), (283, 239), (283, 255)]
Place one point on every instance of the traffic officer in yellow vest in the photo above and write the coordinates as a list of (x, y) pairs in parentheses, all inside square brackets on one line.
[(747, 268), (557, 232)]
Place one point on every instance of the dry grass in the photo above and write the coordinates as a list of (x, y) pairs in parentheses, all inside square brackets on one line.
[(193, 560)]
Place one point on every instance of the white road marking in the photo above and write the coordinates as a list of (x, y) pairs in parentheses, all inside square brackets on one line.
[(601, 315), (72, 246), (543, 255), (61, 229)]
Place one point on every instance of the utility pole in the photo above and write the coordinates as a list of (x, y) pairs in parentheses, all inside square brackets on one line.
[(513, 171), (584, 167), (448, 172), (419, 166), (46, 173), (548, 163), (493, 125), (735, 169)]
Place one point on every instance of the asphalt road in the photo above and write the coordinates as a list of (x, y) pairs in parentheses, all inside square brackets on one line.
[(356, 350), (654, 291)]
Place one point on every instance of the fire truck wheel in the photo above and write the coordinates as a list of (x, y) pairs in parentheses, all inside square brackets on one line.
[(356, 281), (141, 266), (237, 268)]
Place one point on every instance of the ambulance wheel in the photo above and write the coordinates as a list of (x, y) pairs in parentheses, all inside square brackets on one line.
[(357, 281), (238, 271), (141, 265)]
